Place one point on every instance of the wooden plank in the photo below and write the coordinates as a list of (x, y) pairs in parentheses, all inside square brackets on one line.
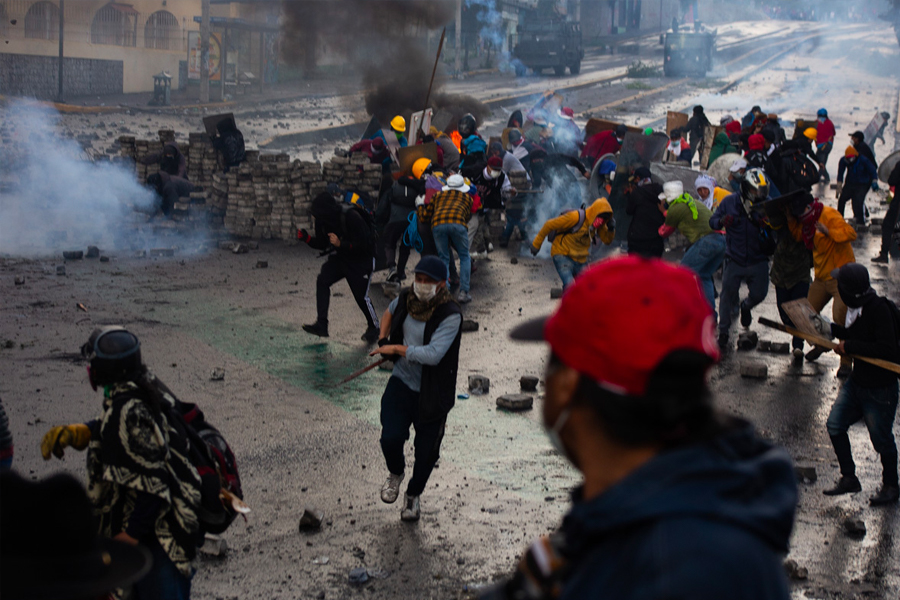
[(800, 311), (676, 120), (595, 126)]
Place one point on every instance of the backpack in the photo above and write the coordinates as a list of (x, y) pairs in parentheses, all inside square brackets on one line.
[(581, 217), (215, 463), (801, 171), (368, 219)]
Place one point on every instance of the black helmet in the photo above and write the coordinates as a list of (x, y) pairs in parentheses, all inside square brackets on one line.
[(115, 356), (467, 125)]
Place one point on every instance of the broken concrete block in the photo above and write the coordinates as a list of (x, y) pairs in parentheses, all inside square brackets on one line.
[(528, 383), (162, 252), (92, 252), (795, 571), (806, 474), (780, 348), (556, 293), (214, 545), (747, 340), (311, 519), (254, 245), (61, 270), (514, 261), (754, 370), (20, 280), (104, 259), (854, 527), (479, 384), (764, 346), (359, 575), (73, 255), (240, 249), (469, 326), (218, 374), (262, 264), (226, 245), (515, 402)]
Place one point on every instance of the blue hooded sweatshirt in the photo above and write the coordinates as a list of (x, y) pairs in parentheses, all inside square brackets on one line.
[(745, 236), (707, 521)]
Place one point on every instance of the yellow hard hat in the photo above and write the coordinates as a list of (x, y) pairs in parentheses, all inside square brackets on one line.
[(419, 167), (398, 124), (811, 133)]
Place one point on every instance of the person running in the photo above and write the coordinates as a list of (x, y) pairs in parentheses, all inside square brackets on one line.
[(421, 332), (861, 176), (890, 218), (676, 500), (572, 234), (825, 133), (870, 394), (646, 215)]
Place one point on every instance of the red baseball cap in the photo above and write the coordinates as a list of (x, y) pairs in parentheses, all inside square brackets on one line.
[(622, 317), (566, 113), (495, 162)]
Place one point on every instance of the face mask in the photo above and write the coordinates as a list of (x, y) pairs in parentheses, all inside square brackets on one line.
[(821, 119), (510, 147), (424, 291), (850, 159), (735, 185), (553, 432), (495, 174)]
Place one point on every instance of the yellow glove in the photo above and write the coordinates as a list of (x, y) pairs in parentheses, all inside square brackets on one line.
[(77, 436)]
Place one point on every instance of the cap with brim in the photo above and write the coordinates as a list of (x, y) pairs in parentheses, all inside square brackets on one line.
[(858, 134), (433, 267), (738, 165)]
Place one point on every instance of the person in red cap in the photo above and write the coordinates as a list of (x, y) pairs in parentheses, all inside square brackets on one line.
[(756, 155), (567, 134), (677, 500)]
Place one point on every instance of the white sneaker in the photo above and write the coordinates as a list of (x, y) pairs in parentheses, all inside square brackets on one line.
[(411, 511), (464, 297), (490, 247), (391, 488)]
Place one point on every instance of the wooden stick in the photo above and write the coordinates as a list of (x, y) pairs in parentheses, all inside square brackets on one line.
[(820, 341), (356, 374), (434, 70)]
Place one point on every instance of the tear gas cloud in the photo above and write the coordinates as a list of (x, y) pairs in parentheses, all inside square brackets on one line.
[(561, 193), (52, 198)]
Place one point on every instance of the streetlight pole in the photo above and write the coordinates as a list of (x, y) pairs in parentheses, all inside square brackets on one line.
[(204, 51)]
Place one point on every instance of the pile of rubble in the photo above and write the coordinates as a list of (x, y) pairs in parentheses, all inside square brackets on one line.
[(266, 197)]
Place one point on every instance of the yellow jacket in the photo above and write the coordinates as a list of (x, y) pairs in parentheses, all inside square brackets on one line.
[(576, 245), (829, 251), (719, 195)]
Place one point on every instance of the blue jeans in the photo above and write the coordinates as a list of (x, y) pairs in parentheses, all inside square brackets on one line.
[(877, 407), (164, 579), (757, 278), (452, 234), (567, 269), (515, 217), (704, 258)]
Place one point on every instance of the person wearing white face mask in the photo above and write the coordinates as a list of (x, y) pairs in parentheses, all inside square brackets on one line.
[(420, 332)]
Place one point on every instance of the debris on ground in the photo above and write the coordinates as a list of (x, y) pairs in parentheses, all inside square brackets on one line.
[(479, 385), (311, 519), (515, 402), (469, 326), (754, 370), (528, 383), (806, 474), (556, 293), (20, 280), (359, 575), (747, 340), (854, 527), (92, 252), (61, 270), (73, 255), (218, 374), (214, 545), (795, 571), (262, 264), (240, 249)]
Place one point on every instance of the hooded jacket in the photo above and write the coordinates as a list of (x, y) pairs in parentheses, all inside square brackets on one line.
[(722, 145), (743, 243), (872, 334), (576, 245), (861, 171), (346, 223), (175, 165), (646, 218), (706, 521), (829, 251)]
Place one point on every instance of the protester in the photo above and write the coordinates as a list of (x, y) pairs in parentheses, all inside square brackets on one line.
[(705, 186), (831, 238), (603, 143), (696, 127), (567, 132), (643, 206), (421, 332), (858, 141), (171, 161), (472, 147), (78, 564), (748, 244), (678, 148), (825, 133), (510, 162), (230, 143), (401, 203), (861, 176), (691, 219), (890, 218), (870, 394), (722, 144), (572, 234), (397, 132), (169, 188), (521, 148), (448, 148), (676, 501), (343, 233), (756, 156), (773, 126), (375, 149), (448, 216), (144, 488)]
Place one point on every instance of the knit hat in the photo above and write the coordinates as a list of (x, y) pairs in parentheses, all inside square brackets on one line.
[(851, 151), (756, 142), (378, 144), (733, 127)]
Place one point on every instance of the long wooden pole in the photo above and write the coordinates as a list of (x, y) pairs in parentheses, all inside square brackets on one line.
[(434, 70), (820, 341), (356, 374)]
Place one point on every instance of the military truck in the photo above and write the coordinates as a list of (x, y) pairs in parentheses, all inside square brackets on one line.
[(546, 40), (688, 52)]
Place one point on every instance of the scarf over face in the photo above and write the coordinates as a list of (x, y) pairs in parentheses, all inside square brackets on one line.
[(808, 223), (421, 310)]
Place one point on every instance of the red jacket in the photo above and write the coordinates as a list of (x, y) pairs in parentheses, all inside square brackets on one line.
[(599, 145), (824, 132)]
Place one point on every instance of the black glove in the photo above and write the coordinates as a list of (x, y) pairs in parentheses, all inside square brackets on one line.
[(611, 225), (535, 250), (382, 342), (303, 236)]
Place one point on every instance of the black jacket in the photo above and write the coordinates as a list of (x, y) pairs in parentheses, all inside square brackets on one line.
[(646, 218), (864, 150), (344, 221), (437, 393), (873, 335)]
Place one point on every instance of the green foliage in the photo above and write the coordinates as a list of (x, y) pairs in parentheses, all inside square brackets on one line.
[(642, 70)]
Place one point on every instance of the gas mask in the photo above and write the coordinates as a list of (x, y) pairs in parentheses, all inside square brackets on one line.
[(424, 291)]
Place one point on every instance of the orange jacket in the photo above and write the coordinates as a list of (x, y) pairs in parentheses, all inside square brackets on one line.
[(829, 251)]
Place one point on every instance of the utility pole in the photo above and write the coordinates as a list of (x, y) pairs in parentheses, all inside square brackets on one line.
[(204, 51), (62, 12), (456, 66)]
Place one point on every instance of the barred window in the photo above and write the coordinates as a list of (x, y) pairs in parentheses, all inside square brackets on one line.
[(115, 24), (162, 32), (42, 21)]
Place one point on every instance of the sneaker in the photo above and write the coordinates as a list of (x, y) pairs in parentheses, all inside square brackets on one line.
[(371, 335), (475, 255), (392, 275), (411, 511), (746, 317), (391, 488), (490, 247), (888, 494), (723, 342), (317, 328), (464, 297), (798, 354), (401, 275), (844, 371), (845, 485), (504, 243), (881, 259), (815, 353)]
